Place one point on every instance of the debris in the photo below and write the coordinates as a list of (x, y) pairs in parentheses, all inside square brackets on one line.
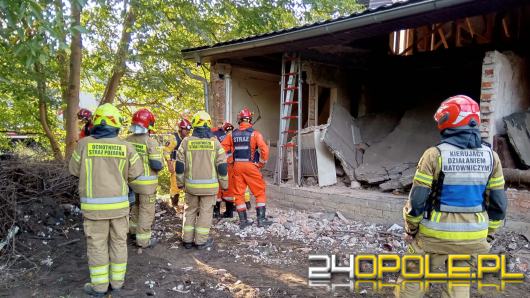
[(342, 217), (340, 136), (10, 235), (158, 214), (69, 242), (518, 129), (355, 185), (48, 261), (395, 228)]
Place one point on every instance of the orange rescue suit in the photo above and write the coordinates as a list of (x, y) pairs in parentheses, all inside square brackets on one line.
[(243, 144)]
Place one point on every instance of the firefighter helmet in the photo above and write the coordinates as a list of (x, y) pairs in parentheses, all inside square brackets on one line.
[(201, 119), (457, 111), (84, 114), (184, 124), (107, 114), (227, 126), (245, 114), (144, 118)]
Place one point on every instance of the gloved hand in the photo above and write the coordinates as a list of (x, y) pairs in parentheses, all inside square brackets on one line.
[(259, 165)]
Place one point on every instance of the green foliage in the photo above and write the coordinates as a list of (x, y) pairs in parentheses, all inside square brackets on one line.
[(38, 32)]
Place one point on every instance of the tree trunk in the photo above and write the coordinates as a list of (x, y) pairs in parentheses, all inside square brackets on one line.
[(72, 101), (62, 56), (516, 176), (121, 56), (43, 112)]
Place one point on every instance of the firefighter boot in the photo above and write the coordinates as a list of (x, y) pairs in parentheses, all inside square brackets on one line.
[(262, 218), (243, 220), (217, 210), (207, 244), (89, 290), (175, 200), (229, 212)]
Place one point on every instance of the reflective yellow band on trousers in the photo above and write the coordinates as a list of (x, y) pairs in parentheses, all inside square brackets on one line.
[(105, 203), (117, 271), (188, 228), (202, 183), (99, 274), (494, 224), (143, 236), (453, 235), (203, 231)]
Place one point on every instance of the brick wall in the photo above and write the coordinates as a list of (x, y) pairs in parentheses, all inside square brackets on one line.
[(504, 90), (217, 97)]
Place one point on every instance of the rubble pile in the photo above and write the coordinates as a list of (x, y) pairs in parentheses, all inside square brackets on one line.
[(31, 193), (297, 233)]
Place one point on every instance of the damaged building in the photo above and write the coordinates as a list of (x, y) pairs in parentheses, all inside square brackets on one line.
[(358, 92)]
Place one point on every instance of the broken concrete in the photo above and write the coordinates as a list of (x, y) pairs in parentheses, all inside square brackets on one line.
[(375, 127), (517, 127), (395, 157), (341, 136), (324, 163)]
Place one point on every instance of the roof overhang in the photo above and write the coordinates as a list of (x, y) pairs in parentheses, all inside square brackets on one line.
[(407, 14)]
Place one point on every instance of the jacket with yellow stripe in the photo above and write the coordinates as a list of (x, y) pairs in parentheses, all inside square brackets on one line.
[(105, 166), (152, 161), (201, 165), (464, 231)]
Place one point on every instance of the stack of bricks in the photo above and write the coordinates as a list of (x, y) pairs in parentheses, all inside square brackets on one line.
[(487, 94)]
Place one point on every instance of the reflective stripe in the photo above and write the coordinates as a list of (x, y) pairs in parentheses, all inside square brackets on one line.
[(190, 162), (109, 200), (496, 182), (454, 227), (118, 267), (481, 217), (143, 236), (134, 158), (98, 270), (76, 156), (446, 208), (493, 224), (203, 231), (202, 183), (145, 180), (88, 170), (85, 206), (229, 154), (188, 228), (212, 162), (241, 159), (241, 147), (103, 279), (424, 178), (117, 276), (124, 187), (453, 235), (132, 224), (155, 156), (260, 204), (262, 160), (241, 207), (229, 199), (220, 151), (414, 219)]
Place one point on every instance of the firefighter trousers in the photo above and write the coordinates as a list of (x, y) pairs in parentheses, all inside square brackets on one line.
[(173, 188), (198, 213), (248, 174), (417, 288), (142, 216), (106, 241)]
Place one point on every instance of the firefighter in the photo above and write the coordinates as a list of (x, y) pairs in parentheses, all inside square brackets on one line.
[(143, 211), (170, 155), (244, 144), (201, 168), (105, 164), (85, 117), (457, 200), (225, 195)]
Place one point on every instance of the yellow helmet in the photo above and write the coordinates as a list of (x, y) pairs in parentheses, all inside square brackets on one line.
[(109, 115), (201, 119)]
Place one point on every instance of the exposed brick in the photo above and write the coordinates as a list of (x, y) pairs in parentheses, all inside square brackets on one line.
[(484, 134), (488, 72), (487, 85), (486, 96)]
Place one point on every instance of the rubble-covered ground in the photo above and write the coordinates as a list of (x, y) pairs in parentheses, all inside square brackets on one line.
[(270, 262)]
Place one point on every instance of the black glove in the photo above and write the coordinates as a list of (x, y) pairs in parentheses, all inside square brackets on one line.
[(132, 197)]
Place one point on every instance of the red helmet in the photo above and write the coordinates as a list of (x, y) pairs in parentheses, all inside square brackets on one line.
[(144, 118), (84, 114), (457, 111), (185, 124), (227, 126), (245, 114)]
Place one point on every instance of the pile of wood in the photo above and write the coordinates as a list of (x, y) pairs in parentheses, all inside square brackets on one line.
[(25, 184)]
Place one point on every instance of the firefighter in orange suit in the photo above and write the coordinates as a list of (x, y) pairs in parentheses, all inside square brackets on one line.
[(225, 195), (144, 187), (85, 117), (457, 201), (201, 169), (105, 165), (170, 155), (250, 153)]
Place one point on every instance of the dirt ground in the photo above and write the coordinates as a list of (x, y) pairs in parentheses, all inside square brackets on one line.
[(270, 262)]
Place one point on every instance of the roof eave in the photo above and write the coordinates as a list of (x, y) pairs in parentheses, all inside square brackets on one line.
[(202, 55)]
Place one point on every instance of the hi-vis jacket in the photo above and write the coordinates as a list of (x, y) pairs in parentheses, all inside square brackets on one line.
[(105, 167), (247, 145), (148, 149), (457, 199), (171, 146), (201, 166)]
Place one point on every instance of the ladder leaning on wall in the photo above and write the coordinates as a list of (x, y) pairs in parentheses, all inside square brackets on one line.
[(291, 84)]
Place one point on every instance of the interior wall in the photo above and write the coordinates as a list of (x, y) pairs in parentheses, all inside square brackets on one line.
[(260, 92)]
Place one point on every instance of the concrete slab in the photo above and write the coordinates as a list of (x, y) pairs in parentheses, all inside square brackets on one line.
[(341, 136), (325, 162), (518, 129)]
